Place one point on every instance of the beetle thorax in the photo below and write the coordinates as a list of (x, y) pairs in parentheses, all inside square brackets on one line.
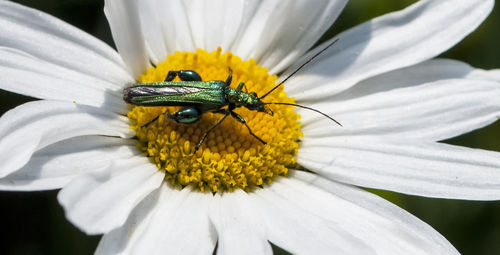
[(238, 98)]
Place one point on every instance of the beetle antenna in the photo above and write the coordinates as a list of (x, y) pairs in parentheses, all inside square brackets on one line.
[(309, 108), (300, 67)]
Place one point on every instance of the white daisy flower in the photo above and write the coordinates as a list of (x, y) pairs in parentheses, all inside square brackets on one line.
[(149, 192)]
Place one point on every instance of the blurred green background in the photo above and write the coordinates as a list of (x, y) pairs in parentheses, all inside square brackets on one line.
[(34, 223)]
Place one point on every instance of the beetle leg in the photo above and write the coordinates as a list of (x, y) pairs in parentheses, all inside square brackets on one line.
[(226, 113), (184, 75), (151, 62), (244, 122), (189, 75), (151, 121), (171, 75), (229, 77), (240, 86), (186, 115)]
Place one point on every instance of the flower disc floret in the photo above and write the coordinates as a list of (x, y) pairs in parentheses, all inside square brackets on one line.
[(230, 158)]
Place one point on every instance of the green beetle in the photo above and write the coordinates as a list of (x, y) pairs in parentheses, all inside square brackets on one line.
[(197, 97)]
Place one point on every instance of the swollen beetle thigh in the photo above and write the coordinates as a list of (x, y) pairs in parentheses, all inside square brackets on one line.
[(189, 75), (186, 115)]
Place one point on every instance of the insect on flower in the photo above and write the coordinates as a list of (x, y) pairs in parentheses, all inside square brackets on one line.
[(197, 97)]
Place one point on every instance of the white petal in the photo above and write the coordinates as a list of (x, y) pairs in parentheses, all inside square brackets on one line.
[(215, 23), (415, 34), (123, 18), (300, 232), (180, 225), (121, 240), (237, 219), (276, 33), (34, 125), (156, 219), (424, 169), (486, 74), (429, 71), (28, 75), (54, 41), (432, 111), (376, 223), (101, 201), (55, 165), (166, 28)]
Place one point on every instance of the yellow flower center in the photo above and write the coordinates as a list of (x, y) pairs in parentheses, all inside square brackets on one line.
[(230, 157)]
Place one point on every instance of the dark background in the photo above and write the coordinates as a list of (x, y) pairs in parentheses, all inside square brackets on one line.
[(34, 223)]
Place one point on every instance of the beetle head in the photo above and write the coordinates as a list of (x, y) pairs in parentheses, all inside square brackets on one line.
[(254, 104)]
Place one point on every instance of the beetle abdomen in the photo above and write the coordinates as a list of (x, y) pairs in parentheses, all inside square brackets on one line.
[(133, 95)]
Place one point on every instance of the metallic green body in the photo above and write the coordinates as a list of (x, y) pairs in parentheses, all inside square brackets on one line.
[(204, 95), (196, 97)]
